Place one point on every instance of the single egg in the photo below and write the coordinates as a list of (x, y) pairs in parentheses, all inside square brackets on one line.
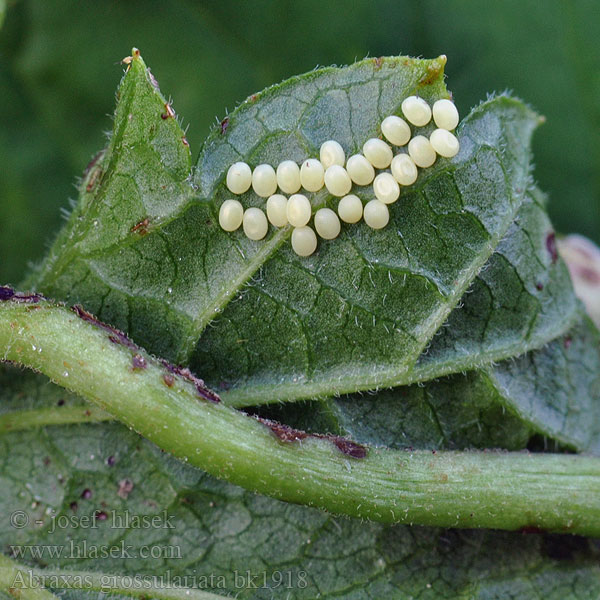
[(416, 110), (288, 177), (404, 169), (444, 143), (395, 130), (361, 171), (298, 210), (421, 151), (231, 215), (350, 209), (376, 214), (327, 224), (239, 178), (378, 153), (386, 188), (304, 241), (337, 180), (255, 223), (264, 180), (277, 210), (312, 175), (332, 153), (445, 114)]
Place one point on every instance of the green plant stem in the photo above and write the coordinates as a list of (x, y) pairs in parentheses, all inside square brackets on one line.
[(551, 492), (28, 583)]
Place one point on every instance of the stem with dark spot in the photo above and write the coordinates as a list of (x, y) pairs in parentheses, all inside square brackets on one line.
[(551, 492)]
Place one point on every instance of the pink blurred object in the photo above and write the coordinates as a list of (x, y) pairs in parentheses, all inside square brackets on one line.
[(583, 260)]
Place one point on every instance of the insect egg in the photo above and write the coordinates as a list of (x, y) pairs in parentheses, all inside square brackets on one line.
[(337, 180), (444, 143), (327, 224), (396, 130), (386, 188), (231, 214), (361, 171), (445, 114), (404, 169), (239, 178), (298, 210), (378, 153), (304, 241), (332, 153), (416, 110), (264, 180), (255, 223), (277, 210), (350, 209), (376, 214), (288, 176), (421, 151), (312, 175)]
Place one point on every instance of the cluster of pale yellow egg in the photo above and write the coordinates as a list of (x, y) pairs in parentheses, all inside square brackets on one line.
[(329, 171)]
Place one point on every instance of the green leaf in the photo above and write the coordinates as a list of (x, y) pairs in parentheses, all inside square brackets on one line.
[(356, 315), (213, 528)]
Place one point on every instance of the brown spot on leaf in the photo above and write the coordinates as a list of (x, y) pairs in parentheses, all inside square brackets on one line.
[(551, 246), (141, 227), (224, 125), (125, 488), (378, 62), (568, 341), (86, 494), (168, 379), (100, 515), (110, 461), (539, 286)]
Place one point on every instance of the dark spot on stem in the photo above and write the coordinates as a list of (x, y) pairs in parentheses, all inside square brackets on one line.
[(86, 494), (61, 402), (7, 293), (551, 246), (138, 362), (201, 388), (224, 125), (348, 447), (288, 434), (531, 529), (115, 336)]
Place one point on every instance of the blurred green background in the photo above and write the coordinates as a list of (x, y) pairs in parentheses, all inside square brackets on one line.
[(59, 68)]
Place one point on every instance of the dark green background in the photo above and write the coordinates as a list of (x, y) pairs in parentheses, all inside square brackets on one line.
[(59, 68)]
